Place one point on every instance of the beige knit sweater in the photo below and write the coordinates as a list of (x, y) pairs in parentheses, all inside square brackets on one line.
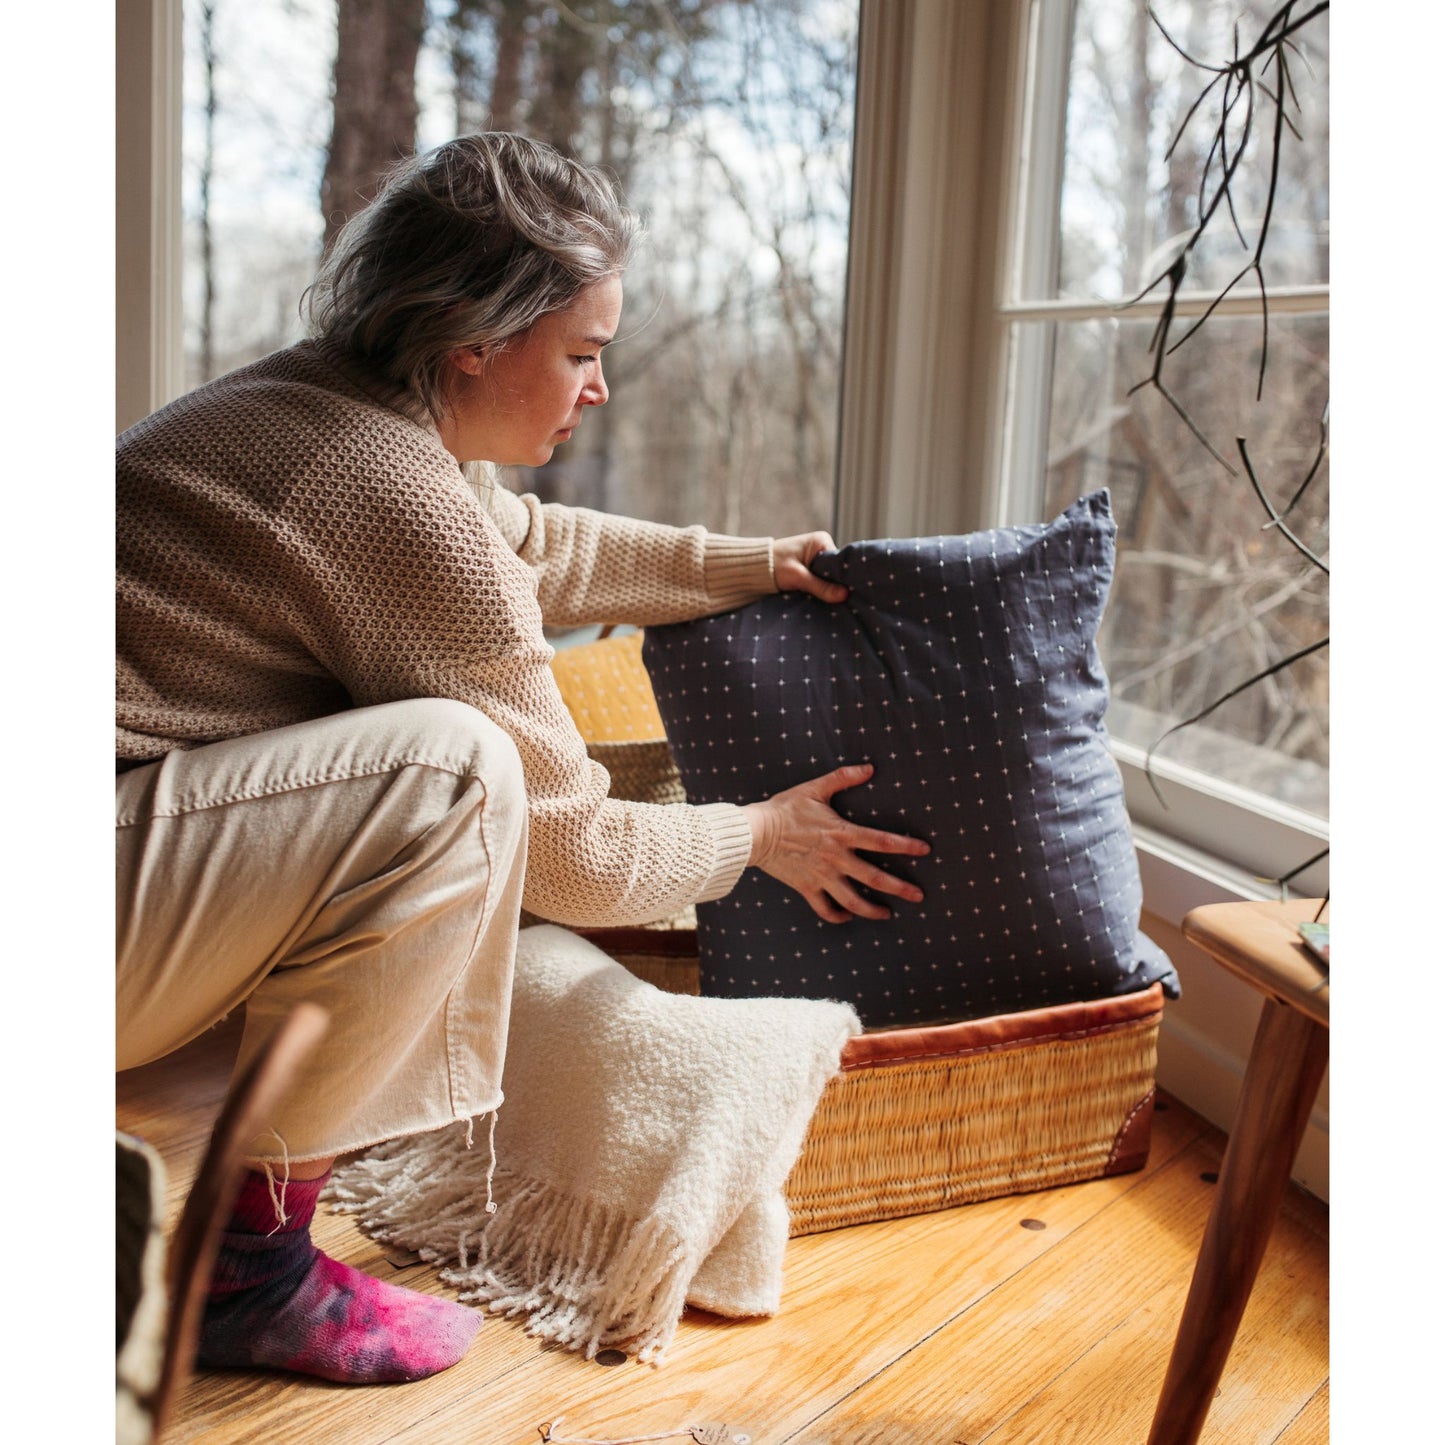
[(288, 547)]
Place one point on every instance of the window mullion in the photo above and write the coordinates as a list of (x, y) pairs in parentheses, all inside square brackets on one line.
[(150, 368), (1034, 246), (923, 380), (1283, 301)]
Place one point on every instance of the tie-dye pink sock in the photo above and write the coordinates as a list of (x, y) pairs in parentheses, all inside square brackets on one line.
[(277, 1302)]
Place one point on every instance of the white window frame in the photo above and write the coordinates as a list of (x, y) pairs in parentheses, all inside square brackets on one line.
[(942, 416), (932, 391), (149, 354)]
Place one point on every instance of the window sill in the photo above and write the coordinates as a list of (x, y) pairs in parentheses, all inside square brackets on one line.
[(1177, 877)]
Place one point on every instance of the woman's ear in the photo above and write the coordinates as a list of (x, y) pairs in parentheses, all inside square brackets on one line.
[(468, 359)]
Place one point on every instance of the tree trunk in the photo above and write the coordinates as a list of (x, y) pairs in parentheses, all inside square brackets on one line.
[(1134, 179), (509, 18), (1187, 161), (461, 27), (567, 53), (375, 109), (208, 171)]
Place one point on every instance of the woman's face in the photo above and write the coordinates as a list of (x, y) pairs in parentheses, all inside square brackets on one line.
[(514, 404)]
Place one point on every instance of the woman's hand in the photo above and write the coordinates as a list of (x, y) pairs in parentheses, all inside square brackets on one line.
[(800, 840), (791, 556)]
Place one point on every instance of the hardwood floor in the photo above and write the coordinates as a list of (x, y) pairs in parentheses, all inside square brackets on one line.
[(968, 1326)]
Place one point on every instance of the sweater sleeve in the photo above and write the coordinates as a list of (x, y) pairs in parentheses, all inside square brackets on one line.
[(594, 567), (410, 590)]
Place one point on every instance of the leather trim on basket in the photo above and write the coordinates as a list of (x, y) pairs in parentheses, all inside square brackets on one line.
[(901, 1046), (662, 941), (1004, 1031), (1131, 1143)]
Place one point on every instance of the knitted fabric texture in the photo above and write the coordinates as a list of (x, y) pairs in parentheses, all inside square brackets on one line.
[(289, 547), (641, 1155)]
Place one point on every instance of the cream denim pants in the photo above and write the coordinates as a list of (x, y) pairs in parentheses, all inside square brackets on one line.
[(371, 861)]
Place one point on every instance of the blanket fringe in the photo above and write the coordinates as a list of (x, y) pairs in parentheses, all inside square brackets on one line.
[(580, 1274)]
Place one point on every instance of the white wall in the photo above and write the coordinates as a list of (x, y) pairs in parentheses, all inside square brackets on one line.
[(1205, 1040)]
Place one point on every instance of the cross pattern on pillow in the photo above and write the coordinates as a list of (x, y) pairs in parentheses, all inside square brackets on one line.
[(965, 669)]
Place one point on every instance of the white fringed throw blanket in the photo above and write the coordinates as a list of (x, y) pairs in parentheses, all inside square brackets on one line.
[(641, 1155)]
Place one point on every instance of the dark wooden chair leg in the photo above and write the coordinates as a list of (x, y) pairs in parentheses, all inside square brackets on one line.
[(1286, 1064), (192, 1252)]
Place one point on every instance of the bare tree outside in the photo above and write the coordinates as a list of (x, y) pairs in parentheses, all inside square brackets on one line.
[(207, 25), (255, 127), (1204, 594), (374, 106), (728, 126)]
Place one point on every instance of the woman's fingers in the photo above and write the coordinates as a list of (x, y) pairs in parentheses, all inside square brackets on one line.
[(850, 775), (791, 556), (800, 839), (795, 577), (826, 909), (848, 897), (871, 840), (881, 882)]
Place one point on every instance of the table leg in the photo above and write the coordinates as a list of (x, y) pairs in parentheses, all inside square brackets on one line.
[(1286, 1065)]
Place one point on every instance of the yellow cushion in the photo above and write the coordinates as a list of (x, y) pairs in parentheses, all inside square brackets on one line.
[(607, 691)]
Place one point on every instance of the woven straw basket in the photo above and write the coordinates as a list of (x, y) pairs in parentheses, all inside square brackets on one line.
[(917, 1119), (923, 1119)]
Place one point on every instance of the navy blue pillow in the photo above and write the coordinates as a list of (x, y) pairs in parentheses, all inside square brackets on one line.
[(964, 668)]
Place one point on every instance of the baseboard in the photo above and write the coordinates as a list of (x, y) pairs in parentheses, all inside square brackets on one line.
[(1208, 1079)]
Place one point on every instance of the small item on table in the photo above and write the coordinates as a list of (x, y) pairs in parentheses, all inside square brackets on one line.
[(1317, 940)]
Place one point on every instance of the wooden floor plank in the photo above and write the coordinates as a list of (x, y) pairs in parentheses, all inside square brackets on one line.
[(1065, 1351), (1109, 1393), (867, 1347), (903, 1276), (855, 1302), (991, 1360), (1312, 1425)]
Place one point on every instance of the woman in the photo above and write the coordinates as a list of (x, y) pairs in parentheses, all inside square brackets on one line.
[(343, 765)]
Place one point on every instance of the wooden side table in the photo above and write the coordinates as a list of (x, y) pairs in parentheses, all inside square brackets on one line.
[(1260, 943)]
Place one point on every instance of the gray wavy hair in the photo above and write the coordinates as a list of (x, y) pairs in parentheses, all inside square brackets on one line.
[(466, 245)]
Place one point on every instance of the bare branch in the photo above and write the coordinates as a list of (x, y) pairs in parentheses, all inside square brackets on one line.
[(1314, 466), (1198, 64), (1275, 518), (1209, 311), (1189, 115), (1157, 383), (1219, 702), (1285, 879), (1239, 83)]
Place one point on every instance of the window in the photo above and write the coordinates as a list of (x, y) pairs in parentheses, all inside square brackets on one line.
[(1009, 189), (1003, 198), (1204, 596), (729, 127)]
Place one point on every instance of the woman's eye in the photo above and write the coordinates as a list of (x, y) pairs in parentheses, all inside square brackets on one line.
[(584, 360)]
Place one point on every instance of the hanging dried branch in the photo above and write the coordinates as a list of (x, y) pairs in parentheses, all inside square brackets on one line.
[(1285, 879), (1229, 86), (1240, 77), (1320, 451), (1276, 519), (1218, 702), (1158, 346)]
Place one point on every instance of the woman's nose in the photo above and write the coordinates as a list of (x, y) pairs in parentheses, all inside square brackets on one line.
[(595, 393)]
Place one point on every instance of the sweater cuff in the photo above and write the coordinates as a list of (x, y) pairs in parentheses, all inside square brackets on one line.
[(733, 838), (737, 570)]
